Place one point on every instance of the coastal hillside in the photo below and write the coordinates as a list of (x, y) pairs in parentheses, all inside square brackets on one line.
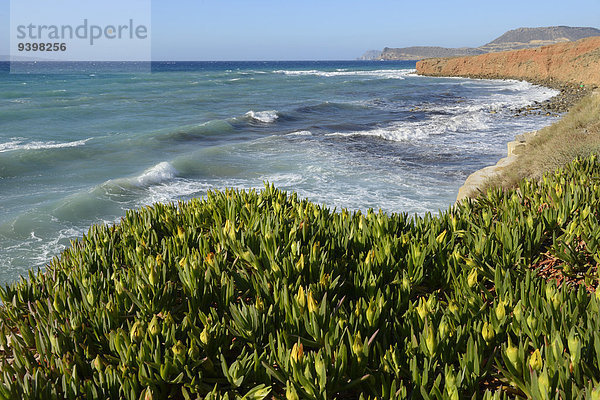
[(524, 38), (572, 62), (420, 52), (515, 39)]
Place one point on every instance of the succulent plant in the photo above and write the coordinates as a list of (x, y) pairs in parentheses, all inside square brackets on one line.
[(261, 294)]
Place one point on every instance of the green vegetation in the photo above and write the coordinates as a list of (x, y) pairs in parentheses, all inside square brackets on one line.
[(261, 295), (575, 135)]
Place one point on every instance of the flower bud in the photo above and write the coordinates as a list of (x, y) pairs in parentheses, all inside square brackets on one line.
[(518, 311), (300, 263), (557, 348), (178, 349), (422, 309), (290, 392), (57, 304), (91, 298), (535, 360), (487, 332), (500, 311), (168, 319), (369, 258), (210, 258), (550, 291), (194, 352), (357, 346), (512, 353), (431, 303), (153, 277), (297, 354), (574, 344), (405, 284), (472, 278), (154, 327), (148, 394), (431, 342), (325, 280), (371, 312), (229, 230), (314, 251), (98, 363), (259, 304), (443, 329), (136, 332), (531, 321), (204, 336), (119, 287), (312, 305), (183, 262), (530, 221), (301, 298), (452, 307), (454, 223), (440, 238)]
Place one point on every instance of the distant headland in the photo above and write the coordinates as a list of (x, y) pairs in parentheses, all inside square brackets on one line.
[(521, 38)]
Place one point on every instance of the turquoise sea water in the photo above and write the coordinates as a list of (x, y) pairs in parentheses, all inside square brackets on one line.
[(79, 149)]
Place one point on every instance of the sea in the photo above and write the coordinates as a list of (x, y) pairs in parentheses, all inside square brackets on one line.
[(78, 149)]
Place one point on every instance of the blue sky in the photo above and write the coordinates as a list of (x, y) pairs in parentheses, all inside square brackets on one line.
[(335, 29)]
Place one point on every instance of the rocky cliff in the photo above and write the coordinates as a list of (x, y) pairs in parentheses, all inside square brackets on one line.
[(572, 62)]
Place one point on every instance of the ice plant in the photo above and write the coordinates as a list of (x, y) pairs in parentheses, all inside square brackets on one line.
[(249, 300)]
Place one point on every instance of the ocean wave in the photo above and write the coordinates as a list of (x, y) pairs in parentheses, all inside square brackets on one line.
[(21, 144), (381, 74), (266, 117), (328, 107), (209, 128), (159, 173), (126, 187), (402, 131)]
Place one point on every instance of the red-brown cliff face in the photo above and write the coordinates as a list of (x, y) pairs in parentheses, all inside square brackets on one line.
[(573, 62)]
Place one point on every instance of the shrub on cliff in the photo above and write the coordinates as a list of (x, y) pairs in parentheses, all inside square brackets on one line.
[(262, 295)]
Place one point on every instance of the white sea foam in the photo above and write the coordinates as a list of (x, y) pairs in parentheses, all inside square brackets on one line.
[(181, 189), (434, 125), (20, 144), (266, 117), (124, 188), (157, 174), (381, 74), (300, 133)]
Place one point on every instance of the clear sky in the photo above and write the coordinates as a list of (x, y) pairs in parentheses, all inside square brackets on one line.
[(336, 29)]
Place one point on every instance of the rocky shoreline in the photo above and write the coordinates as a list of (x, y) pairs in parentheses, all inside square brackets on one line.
[(477, 180), (569, 95)]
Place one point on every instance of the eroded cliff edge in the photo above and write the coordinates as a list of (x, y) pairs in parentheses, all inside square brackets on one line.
[(566, 63)]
